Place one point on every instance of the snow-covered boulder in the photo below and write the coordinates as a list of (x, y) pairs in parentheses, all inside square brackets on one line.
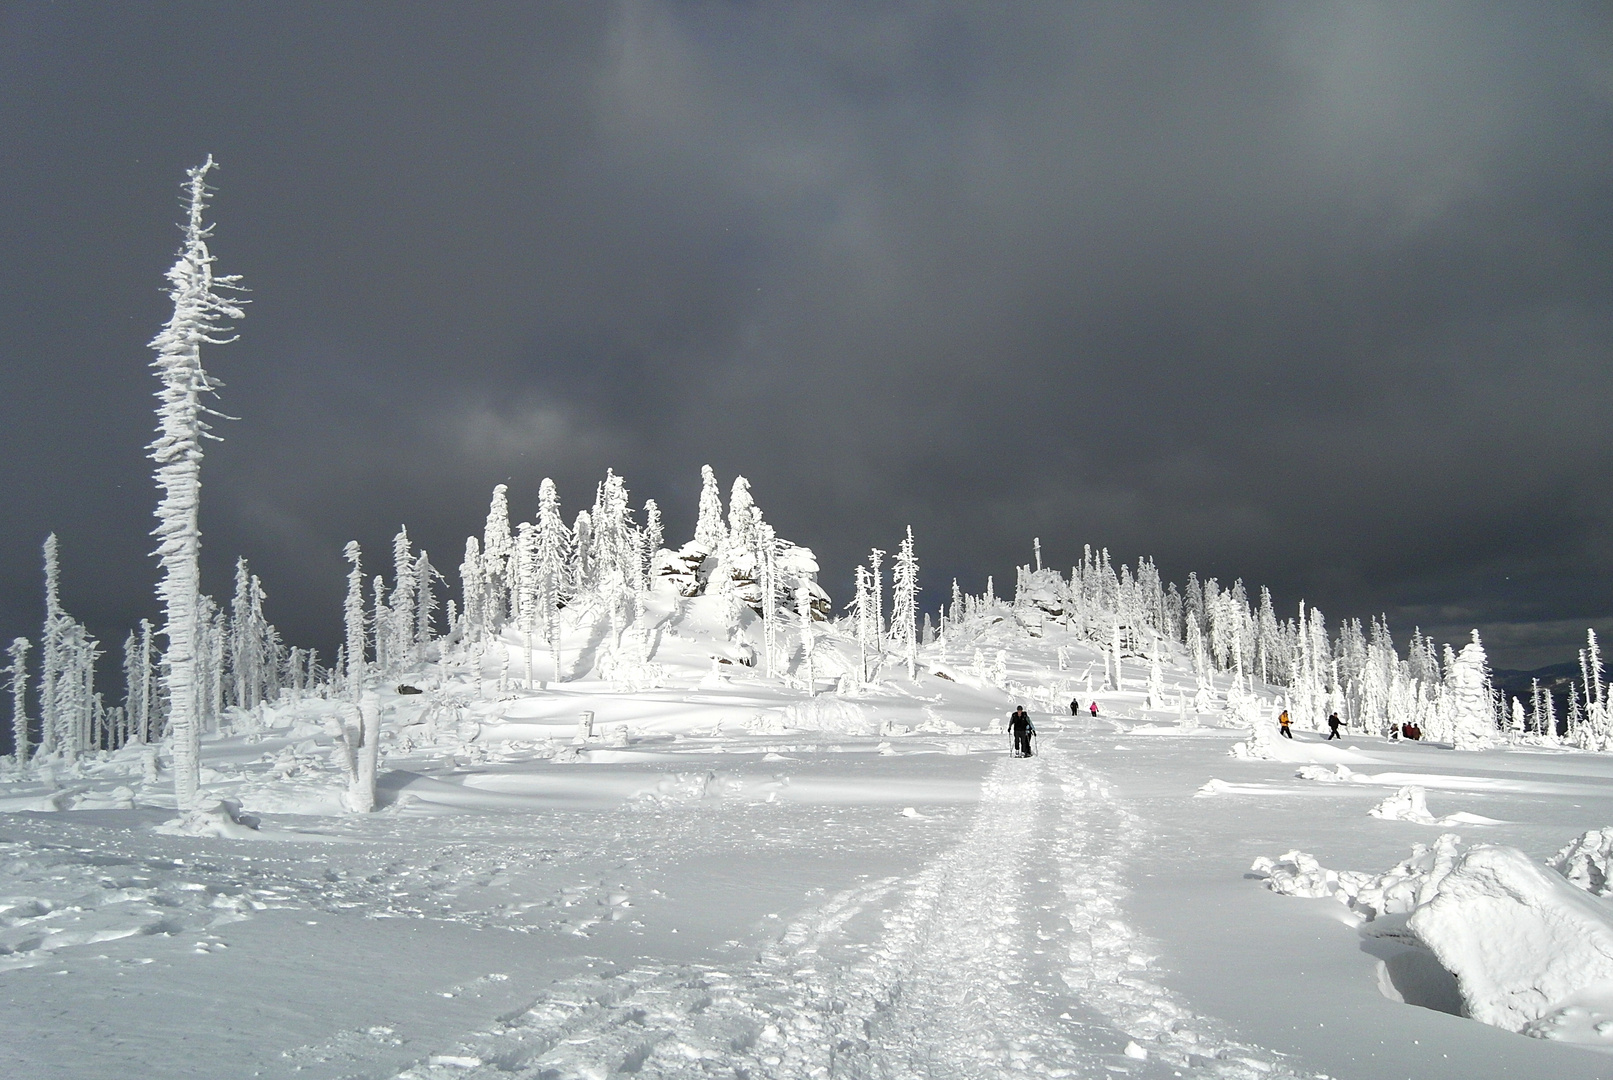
[(1519, 939)]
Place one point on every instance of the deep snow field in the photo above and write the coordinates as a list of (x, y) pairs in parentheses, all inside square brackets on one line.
[(729, 878)]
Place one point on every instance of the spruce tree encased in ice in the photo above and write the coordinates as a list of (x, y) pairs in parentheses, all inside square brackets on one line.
[(200, 314)]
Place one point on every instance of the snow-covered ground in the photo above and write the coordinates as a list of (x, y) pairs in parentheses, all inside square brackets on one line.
[(731, 878)]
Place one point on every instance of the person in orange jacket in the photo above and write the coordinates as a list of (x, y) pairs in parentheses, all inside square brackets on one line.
[(1283, 724)]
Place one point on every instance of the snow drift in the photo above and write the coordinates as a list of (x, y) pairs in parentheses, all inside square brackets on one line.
[(1519, 938)]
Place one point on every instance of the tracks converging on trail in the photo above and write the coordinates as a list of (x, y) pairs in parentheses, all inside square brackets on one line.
[(1007, 955)]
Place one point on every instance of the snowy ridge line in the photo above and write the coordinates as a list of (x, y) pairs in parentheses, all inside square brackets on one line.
[(1109, 962)]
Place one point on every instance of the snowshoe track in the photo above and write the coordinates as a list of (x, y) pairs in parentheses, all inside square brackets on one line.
[(1009, 955)]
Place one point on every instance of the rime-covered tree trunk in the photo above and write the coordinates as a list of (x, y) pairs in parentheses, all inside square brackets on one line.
[(361, 785), (51, 651), (199, 314), (18, 673)]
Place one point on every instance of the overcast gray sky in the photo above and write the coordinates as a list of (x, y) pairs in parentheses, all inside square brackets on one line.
[(1313, 295)]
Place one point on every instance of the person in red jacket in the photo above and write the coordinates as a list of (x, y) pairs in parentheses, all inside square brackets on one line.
[(1094, 708)]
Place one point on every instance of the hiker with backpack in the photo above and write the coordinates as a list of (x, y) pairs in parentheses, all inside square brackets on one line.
[(1021, 729)]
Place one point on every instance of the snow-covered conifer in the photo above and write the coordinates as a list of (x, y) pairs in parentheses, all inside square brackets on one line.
[(252, 646), (709, 531), (654, 538), (425, 598), (473, 591), (404, 590), (497, 546), (861, 609), (553, 563), (876, 593), (615, 545), (353, 618), (767, 579), (1471, 716), (525, 595), (380, 625), (139, 683), (582, 545), (904, 602), (803, 611), (17, 681), (200, 315)]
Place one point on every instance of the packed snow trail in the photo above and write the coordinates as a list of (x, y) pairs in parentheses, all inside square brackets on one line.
[(1008, 955)]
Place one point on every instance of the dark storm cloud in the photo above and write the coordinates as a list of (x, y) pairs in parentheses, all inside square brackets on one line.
[(1312, 295)]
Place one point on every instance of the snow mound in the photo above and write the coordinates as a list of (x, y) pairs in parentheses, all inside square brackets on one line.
[(1299, 874), (829, 713), (1211, 788), (1531, 953), (1343, 774), (1519, 940), (1408, 804), (1412, 881), (222, 818), (1585, 861), (1398, 890)]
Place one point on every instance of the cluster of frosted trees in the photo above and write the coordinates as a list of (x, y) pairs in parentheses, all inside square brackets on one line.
[(866, 612), (601, 568), (389, 635), (1356, 672), (241, 664)]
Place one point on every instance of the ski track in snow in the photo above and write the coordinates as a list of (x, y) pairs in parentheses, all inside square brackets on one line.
[(1008, 955)]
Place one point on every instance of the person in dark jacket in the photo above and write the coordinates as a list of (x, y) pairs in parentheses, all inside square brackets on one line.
[(1075, 706), (1333, 723), (1021, 728)]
